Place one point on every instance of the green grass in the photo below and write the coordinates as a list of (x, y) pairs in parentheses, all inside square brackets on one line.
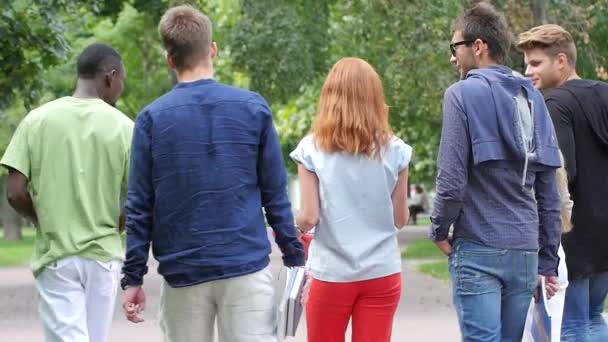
[(422, 249), (434, 262), (424, 221), (17, 253), (437, 269)]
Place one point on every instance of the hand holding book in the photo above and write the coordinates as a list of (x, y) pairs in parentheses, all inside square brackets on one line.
[(290, 307), (550, 285), (306, 289)]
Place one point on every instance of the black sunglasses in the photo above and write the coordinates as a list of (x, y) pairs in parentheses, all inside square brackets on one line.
[(462, 42)]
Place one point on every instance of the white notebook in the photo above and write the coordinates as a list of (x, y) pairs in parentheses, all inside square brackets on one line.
[(290, 309), (541, 319)]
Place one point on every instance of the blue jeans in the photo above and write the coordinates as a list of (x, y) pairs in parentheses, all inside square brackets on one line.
[(492, 290), (583, 321)]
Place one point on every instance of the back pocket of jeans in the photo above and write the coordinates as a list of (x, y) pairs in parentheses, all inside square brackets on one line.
[(476, 272)]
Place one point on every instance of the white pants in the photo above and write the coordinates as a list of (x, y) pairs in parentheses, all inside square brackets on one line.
[(244, 306), (555, 305), (77, 297)]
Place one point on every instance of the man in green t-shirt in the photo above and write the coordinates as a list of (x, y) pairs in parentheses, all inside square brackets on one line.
[(68, 165)]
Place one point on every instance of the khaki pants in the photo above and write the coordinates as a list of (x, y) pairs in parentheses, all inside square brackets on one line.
[(244, 307)]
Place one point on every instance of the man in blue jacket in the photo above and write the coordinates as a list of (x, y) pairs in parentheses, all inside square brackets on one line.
[(496, 184), (205, 160)]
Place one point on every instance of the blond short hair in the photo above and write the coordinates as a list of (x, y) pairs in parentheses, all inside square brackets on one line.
[(551, 38), (186, 35)]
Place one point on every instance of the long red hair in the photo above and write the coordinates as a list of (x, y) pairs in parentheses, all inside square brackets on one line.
[(353, 115)]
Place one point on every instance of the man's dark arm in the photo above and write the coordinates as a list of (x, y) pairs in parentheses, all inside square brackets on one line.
[(17, 161), (560, 115), (18, 195), (452, 164), (273, 184), (549, 206), (140, 204)]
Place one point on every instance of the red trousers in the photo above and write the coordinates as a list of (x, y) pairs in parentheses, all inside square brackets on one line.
[(371, 304)]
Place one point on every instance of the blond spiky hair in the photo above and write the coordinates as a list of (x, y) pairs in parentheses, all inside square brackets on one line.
[(552, 38)]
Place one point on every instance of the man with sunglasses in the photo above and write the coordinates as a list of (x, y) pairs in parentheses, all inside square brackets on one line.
[(496, 184)]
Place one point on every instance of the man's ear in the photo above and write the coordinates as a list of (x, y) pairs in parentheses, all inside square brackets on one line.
[(109, 77), (214, 53), (170, 61), (562, 60), (478, 45)]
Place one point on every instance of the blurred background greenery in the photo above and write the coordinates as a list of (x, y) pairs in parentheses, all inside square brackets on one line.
[(280, 48)]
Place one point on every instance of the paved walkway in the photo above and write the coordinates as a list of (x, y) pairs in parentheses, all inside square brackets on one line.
[(425, 312)]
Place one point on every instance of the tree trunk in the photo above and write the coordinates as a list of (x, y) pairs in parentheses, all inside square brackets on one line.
[(539, 11), (12, 227), (10, 220)]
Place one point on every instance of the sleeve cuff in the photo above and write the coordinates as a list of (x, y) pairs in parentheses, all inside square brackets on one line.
[(299, 160), (7, 163), (130, 279), (438, 233), (302, 154), (127, 282), (294, 260), (405, 156), (547, 268)]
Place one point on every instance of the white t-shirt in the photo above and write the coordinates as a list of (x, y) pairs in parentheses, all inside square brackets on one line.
[(356, 238)]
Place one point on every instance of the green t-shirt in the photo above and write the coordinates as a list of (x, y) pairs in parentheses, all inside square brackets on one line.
[(75, 153)]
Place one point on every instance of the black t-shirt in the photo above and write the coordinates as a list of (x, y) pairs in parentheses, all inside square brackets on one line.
[(579, 110)]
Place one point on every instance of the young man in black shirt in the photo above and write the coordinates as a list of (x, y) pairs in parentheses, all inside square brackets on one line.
[(579, 110)]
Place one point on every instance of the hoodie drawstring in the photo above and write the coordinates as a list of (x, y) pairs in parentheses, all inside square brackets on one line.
[(523, 177)]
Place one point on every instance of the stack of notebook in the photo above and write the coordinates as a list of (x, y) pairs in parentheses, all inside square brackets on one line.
[(541, 319), (290, 309)]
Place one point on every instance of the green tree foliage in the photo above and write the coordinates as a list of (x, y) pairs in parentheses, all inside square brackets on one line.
[(280, 48), (33, 38), (587, 20), (407, 41), (135, 35), (294, 119), (281, 44)]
